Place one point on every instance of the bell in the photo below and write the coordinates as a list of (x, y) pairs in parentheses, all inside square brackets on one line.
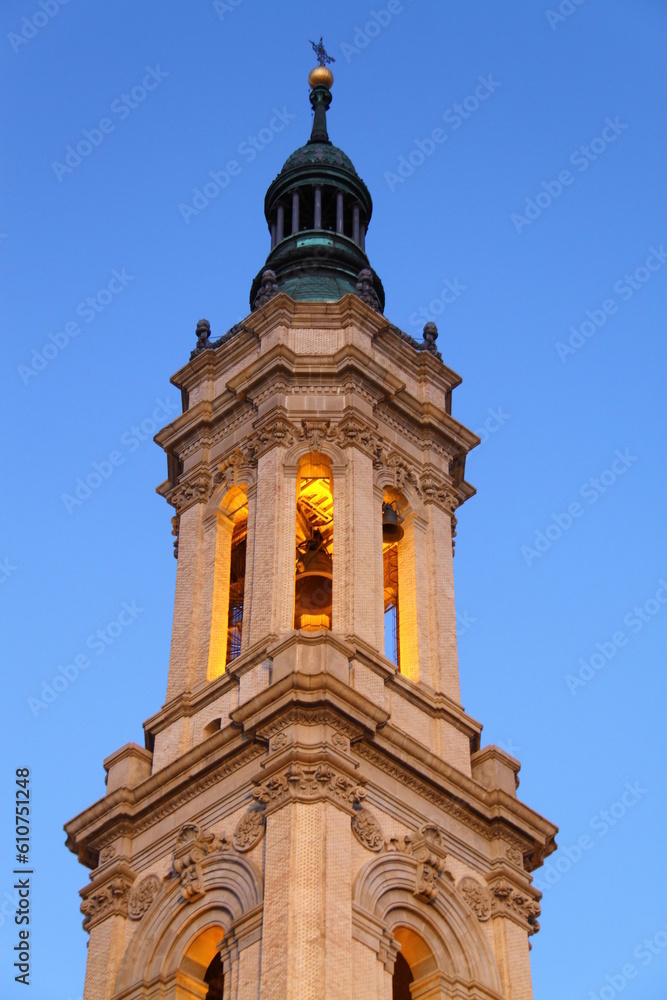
[(313, 584), (391, 525)]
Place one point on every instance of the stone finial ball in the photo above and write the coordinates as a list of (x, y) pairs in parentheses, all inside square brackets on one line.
[(320, 75)]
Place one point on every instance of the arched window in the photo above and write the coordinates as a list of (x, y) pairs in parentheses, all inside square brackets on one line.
[(414, 967), (313, 586), (401, 644), (231, 530), (236, 584), (215, 979), (201, 973), (392, 532)]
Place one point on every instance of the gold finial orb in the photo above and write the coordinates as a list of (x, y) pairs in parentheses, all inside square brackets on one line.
[(320, 75)]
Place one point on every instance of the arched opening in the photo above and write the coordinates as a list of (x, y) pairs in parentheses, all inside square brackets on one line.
[(215, 979), (401, 644), (236, 584), (231, 531), (414, 966), (201, 974), (313, 586), (392, 533), (401, 980)]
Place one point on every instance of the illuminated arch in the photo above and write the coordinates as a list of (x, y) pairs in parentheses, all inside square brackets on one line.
[(175, 938), (455, 951)]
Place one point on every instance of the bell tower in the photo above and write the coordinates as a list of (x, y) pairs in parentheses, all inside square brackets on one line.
[(311, 815)]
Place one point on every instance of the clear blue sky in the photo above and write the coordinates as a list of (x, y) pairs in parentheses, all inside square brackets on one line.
[(543, 207)]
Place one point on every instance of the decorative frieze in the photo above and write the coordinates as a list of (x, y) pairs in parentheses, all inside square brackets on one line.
[(142, 896), (367, 830)]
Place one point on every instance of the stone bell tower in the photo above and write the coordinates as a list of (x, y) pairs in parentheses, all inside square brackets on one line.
[(311, 815)]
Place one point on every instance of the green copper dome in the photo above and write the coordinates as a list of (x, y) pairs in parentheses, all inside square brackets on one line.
[(318, 210)]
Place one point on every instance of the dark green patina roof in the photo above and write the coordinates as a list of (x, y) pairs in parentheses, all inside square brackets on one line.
[(316, 154)]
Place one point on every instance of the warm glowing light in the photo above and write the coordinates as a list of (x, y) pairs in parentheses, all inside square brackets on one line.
[(311, 623)]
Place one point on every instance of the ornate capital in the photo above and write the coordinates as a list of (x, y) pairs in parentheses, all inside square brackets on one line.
[(102, 901), (189, 492), (309, 784), (315, 432), (278, 431), (521, 906)]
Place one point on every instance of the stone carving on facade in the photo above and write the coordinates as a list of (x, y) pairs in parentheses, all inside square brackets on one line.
[(367, 830), (189, 492), (402, 844), (365, 289), (315, 432), (107, 854), (231, 469), (353, 431), (267, 289), (308, 784), (476, 896), (279, 741), (310, 717), (109, 899), (141, 896), (175, 528), (203, 337), (510, 901), (277, 432), (249, 831), (430, 337), (514, 856), (402, 473), (192, 846), (340, 742)]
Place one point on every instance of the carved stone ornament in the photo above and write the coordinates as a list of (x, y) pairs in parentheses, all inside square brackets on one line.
[(367, 830), (512, 902), (192, 846), (340, 741), (107, 853), (249, 831), (279, 741), (267, 289), (110, 899), (187, 493), (230, 470), (142, 896), (315, 432), (277, 432), (429, 853), (308, 784), (514, 856), (365, 289), (476, 896)]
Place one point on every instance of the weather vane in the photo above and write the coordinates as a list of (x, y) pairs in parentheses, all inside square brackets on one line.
[(322, 56)]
